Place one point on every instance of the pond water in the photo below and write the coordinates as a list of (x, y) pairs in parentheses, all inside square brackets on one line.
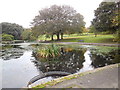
[(19, 64)]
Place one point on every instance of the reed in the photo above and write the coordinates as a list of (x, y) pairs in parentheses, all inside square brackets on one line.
[(50, 51)]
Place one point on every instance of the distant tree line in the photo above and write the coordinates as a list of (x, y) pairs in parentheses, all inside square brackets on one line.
[(11, 31)]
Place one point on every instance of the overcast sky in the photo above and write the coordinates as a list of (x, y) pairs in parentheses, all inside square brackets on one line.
[(23, 12)]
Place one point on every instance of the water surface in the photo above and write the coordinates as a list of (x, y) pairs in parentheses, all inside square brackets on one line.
[(20, 65)]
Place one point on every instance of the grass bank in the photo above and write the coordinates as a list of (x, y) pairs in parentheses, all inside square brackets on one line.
[(86, 38), (91, 39)]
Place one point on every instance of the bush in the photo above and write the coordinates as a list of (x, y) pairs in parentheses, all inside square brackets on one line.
[(48, 51), (26, 34), (32, 38), (117, 36), (7, 37)]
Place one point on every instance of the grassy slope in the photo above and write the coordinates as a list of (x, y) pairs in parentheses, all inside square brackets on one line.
[(87, 38), (91, 39)]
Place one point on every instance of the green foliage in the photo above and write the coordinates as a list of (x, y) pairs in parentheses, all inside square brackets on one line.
[(28, 35), (106, 17), (103, 49), (117, 36), (48, 51), (7, 37), (7, 47), (32, 37), (85, 30), (58, 20), (92, 29), (47, 36), (12, 29)]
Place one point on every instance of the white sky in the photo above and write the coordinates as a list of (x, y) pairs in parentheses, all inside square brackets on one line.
[(23, 12)]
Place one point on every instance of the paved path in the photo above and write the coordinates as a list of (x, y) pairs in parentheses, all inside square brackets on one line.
[(82, 43), (105, 77)]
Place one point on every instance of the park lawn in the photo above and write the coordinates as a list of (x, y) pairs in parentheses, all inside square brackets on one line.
[(90, 39), (86, 38)]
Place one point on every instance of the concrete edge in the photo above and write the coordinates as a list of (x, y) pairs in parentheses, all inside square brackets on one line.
[(73, 76)]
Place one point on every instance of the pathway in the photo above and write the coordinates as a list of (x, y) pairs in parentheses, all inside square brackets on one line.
[(105, 77)]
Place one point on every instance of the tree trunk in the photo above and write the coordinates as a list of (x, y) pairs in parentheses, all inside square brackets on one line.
[(95, 34), (61, 35), (52, 37), (58, 37)]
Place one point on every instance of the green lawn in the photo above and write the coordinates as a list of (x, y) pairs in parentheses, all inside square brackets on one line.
[(88, 38), (91, 39)]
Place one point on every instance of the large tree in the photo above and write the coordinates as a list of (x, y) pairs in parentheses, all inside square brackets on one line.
[(58, 20), (107, 17), (12, 29)]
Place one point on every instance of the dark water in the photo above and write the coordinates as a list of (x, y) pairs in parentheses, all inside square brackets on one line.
[(79, 59), (20, 65)]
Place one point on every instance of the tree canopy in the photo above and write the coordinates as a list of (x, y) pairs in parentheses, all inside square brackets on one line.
[(58, 20), (107, 17), (12, 29)]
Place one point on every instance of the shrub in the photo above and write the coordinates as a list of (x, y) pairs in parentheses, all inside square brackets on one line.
[(117, 36), (7, 37)]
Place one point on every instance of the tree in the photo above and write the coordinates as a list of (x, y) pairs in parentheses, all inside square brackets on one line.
[(93, 30), (26, 34), (106, 17), (85, 30), (58, 20), (12, 29)]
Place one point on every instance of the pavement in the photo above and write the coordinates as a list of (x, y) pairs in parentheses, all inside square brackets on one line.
[(98, 44), (105, 77)]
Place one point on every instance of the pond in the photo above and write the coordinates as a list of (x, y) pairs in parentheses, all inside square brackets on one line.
[(20, 63)]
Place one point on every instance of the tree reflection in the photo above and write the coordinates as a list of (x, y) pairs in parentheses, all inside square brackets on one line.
[(103, 59), (70, 61)]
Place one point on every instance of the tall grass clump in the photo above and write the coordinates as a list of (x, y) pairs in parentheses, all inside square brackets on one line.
[(49, 51)]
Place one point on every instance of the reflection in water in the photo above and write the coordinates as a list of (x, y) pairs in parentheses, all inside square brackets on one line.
[(17, 62), (11, 52), (16, 72), (103, 59), (69, 61), (87, 64), (77, 60)]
